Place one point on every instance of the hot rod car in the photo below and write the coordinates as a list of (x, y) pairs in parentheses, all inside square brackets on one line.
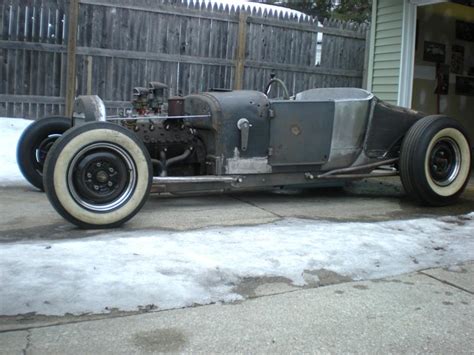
[(98, 170)]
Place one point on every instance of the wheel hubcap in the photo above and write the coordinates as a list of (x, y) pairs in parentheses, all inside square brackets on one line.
[(101, 177), (43, 149), (445, 161)]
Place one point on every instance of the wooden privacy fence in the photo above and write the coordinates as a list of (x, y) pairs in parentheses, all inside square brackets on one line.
[(53, 50)]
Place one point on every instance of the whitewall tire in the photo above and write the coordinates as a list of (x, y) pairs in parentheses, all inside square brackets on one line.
[(98, 175), (435, 160)]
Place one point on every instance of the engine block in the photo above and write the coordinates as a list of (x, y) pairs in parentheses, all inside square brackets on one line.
[(166, 140)]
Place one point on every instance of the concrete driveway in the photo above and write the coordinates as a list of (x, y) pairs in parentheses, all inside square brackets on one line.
[(25, 213), (426, 311)]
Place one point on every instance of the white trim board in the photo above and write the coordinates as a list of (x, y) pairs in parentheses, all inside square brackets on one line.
[(370, 68), (407, 59), (407, 55)]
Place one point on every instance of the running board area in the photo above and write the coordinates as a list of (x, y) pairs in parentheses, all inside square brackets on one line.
[(193, 179)]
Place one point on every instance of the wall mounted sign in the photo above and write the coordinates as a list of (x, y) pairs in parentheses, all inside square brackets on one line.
[(457, 59), (434, 52), (464, 85)]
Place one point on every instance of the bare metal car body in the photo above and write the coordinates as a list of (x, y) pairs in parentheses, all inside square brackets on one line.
[(298, 141)]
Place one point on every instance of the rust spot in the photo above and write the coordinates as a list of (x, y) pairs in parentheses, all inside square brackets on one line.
[(295, 130)]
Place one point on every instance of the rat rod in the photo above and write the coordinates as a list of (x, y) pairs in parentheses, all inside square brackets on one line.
[(98, 170)]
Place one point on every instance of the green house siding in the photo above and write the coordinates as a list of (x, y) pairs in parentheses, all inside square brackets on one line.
[(386, 47)]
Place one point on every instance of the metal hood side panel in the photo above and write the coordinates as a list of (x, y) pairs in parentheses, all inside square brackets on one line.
[(226, 109)]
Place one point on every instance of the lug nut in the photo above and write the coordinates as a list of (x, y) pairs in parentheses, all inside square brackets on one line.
[(96, 187), (89, 175), (98, 165), (111, 170), (109, 184)]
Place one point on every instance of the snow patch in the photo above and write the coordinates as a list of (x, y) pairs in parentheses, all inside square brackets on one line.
[(128, 270), (10, 132)]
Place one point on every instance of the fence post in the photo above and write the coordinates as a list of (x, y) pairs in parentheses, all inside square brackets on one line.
[(71, 56), (241, 44)]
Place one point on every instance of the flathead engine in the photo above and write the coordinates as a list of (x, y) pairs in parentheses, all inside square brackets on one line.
[(175, 148)]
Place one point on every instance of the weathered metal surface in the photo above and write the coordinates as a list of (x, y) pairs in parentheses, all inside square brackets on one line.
[(192, 183), (336, 94), (300, 132), (257, 165), (150, 99), (88, 109), (355, 168), (176, 106), (361, 175), (244, 126), (388, 125), (155, 117), (226, 109), (352, 110), (194, 179), (241, 182)]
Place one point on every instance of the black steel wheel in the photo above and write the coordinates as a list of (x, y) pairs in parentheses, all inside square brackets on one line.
[(435, 160), (34, 145), (98, 175)]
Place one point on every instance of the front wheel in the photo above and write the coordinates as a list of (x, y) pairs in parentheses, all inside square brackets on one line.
[(98, 175), (34, 145), (435, 160)]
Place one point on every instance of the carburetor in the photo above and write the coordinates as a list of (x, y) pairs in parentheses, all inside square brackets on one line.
[(152, 99)]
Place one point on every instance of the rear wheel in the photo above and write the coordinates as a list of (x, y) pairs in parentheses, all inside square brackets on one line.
[(98, 175), (34, 145), (435, 160)]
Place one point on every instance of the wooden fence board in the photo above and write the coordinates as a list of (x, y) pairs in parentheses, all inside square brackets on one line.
[(127, 43)]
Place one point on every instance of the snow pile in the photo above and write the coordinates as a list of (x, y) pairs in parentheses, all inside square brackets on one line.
[(10, 131), (177, 269)]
